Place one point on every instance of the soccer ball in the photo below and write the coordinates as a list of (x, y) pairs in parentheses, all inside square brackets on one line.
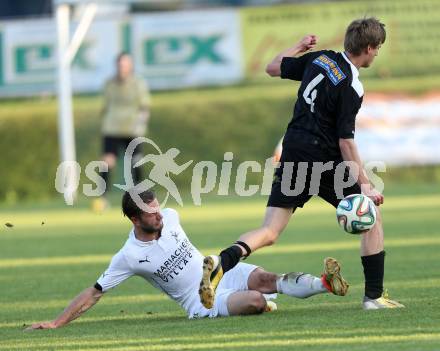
[(356, 214)]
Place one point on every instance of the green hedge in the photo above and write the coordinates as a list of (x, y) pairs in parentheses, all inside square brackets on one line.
[(202, 124)]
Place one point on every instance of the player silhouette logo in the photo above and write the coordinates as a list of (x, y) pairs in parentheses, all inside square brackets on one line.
[(163, 165)]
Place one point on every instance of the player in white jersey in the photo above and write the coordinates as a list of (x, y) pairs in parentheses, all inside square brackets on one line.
[(158, 250)]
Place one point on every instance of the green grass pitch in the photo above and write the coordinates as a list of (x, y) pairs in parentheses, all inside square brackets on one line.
[(43, 266)]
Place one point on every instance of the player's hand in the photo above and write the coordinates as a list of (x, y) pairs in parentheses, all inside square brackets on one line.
[(41, 325), (373, 194), (307, 43)]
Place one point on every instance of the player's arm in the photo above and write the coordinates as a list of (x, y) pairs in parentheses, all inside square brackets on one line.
[(349, 103), (80, 304), (305, 44), (350, 153), (117, 272)]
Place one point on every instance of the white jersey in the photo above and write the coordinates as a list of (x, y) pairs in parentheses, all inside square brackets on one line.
[(171, 263)]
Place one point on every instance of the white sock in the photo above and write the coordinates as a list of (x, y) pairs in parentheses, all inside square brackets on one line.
[(300, 285)]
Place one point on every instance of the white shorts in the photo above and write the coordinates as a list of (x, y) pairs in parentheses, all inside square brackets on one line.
[(234, 280)]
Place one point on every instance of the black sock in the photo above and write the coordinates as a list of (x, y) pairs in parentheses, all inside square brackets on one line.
[(373, 272), (230, 257)]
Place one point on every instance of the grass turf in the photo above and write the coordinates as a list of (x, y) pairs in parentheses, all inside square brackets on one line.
[(43, 266)]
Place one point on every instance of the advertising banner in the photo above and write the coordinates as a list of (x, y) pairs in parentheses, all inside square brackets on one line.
[(28, 51), (171, 50), (412, 46), (175, 50)]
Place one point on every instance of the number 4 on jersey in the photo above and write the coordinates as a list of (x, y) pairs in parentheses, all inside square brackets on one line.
[(310, 93)]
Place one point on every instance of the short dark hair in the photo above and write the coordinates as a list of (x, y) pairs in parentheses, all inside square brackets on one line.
[(362, 33), (121, 55), (129, 207)]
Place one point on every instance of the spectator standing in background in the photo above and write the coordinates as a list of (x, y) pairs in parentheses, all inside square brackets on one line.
[(125, 115)]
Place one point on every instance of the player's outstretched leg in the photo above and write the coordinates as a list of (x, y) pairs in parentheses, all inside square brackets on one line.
[(303, 285), (300, 285), (214, 266)]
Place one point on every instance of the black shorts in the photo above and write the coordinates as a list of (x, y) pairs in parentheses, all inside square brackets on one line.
[(303, 156), (116, 145)]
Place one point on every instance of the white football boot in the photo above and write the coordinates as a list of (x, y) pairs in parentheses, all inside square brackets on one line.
[(381, 302)]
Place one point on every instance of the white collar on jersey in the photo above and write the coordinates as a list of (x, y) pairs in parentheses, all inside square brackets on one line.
[(356, 83), (138, 242)]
